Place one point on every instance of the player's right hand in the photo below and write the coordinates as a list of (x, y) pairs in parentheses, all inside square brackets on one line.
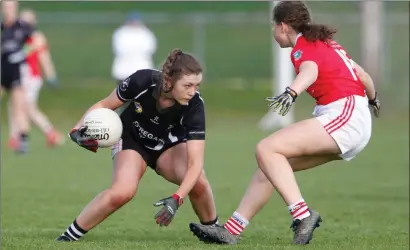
[(282, 103), (375, 104), (78, 136)]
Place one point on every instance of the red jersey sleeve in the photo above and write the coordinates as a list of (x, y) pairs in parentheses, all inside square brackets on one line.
[(304, 53)]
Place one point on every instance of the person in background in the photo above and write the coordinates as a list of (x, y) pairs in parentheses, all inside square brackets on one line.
[(38, 58), (14, 34), (133, 46)]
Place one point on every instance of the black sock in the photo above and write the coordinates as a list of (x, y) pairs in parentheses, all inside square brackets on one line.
[(212, 222), (74, 231), (23, 147), (23, 136)]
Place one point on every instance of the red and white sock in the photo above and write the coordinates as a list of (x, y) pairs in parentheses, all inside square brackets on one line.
[(299, 210), (236, 224)]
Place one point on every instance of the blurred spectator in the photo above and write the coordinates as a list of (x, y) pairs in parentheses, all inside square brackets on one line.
[(134, 46)]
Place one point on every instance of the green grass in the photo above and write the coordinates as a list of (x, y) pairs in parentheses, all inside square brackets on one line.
[(364, 203)]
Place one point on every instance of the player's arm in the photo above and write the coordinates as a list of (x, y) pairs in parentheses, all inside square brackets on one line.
[(370, 88), (308, 73), (125, 91), (41, 45), (194, 124), (110, 102), (195, 127), (306, 62), (366, 80), (195, 151)]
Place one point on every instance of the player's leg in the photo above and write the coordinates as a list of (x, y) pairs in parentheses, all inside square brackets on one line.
[(19, 111), (257, 195), (172, 166), (260, 189), (13, 141), (129, 167), (19, 105), (33, 88)]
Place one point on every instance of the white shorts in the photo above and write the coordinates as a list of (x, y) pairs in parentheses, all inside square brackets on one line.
[(32, 85), (349, 122)]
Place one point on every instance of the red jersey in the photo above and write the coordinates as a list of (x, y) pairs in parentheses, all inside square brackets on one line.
[(337, 77), (32, 59)]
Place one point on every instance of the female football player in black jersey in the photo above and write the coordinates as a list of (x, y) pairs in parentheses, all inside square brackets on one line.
[(164, 128)]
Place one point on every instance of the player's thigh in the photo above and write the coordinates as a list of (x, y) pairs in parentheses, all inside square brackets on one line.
[(32, 86), (172, 163), (307, 162), (307, 137), (129, 167), (18, 98)]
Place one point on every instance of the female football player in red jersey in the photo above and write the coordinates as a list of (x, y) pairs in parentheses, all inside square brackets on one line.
[(340, 129)]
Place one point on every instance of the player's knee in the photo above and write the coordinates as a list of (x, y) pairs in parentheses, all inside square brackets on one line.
[(119, 197), (262, 149), (201, 187)]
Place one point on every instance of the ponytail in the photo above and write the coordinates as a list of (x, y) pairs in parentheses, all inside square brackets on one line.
[(314, 32)]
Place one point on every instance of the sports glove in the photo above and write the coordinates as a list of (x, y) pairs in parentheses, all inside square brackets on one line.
[(375, 104), (53, 83), (167, 213), (282, 103), (78, 136)]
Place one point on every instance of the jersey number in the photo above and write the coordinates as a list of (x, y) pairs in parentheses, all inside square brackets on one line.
[(348, 61)]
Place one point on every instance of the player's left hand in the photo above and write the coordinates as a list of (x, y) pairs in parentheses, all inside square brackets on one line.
[(375, 104), (282, 103), (167, 213)]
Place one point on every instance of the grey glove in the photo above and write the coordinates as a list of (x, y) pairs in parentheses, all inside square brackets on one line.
[(282, 103), (375, 104), (167, 213)]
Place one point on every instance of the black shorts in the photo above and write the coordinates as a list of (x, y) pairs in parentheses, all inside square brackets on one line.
[(10, 75), (150, 156)]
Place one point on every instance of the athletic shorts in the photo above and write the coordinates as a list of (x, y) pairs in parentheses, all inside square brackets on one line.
[(349, 122), (150, 156), (32, 85), (11, 75)]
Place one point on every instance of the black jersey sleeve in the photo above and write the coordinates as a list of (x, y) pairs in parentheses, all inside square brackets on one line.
[(134, 85), (194, 122)]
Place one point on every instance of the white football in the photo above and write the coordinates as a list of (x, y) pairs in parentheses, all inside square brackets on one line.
[(104, 125)]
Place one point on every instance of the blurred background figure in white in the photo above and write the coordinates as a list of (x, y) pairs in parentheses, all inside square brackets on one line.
[(134, 45), (38, 59)]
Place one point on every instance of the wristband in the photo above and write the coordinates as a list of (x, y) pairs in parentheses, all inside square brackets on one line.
[(178, 199)]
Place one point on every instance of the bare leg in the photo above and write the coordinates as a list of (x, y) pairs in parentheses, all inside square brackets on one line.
[(129, 168), (19, 109), (39, 118), (291, 142), (260, 188), (172, 166)]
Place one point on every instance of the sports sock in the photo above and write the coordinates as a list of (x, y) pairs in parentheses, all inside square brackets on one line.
[(212, 222), (299, 210), (23, 144), (236, 224), (74, 231)]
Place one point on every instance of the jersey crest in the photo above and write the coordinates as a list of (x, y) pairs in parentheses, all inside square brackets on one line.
[(138, 107), (297, 55)]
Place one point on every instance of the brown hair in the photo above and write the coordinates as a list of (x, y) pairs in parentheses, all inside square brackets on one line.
[(176, 65), (296, 14)]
